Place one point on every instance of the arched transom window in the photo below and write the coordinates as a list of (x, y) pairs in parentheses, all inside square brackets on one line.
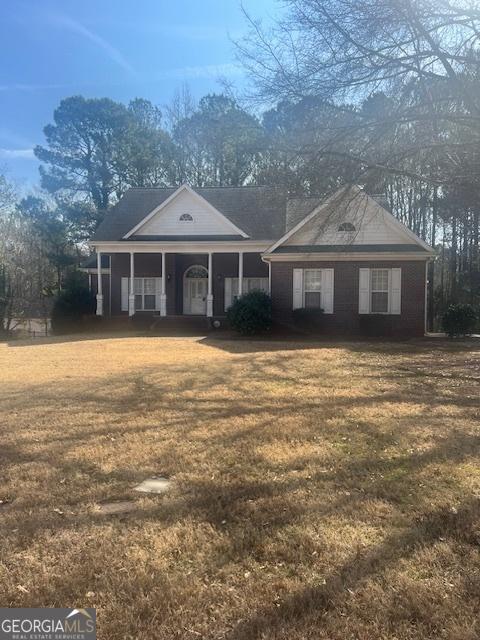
[(196, 271), (346, 226), (186, 217)]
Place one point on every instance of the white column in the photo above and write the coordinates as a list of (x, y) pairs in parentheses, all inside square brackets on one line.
[(163, 295), (210, 286), (269, 278), (240, 273), (99, 285), (131, 297)]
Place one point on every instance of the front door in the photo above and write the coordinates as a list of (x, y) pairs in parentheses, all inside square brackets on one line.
[(196, 296), (195, 288)]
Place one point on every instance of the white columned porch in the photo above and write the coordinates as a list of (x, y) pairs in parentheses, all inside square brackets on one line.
[(163, 294), (99, 285), (210, 286), (131, 296), (240, 273)]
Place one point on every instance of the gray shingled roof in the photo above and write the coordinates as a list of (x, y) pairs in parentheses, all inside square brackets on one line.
[(299, 208), (259, 211)]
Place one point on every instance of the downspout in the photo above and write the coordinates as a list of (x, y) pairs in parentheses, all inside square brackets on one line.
[(269, 263), (425, 321)]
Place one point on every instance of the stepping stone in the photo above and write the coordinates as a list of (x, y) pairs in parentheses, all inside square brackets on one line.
[(154, 485), (115, 508)]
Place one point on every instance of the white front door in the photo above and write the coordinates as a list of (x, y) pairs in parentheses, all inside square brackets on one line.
[(195, 296)]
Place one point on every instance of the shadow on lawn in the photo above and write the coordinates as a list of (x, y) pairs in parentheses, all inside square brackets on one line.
[(235, 344), (433, 526), (73, 338), (251, 512), (250, 502)]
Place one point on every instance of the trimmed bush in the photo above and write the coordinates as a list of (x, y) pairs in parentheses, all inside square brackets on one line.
[(308, 319), (251, 313), (73, 305), (459, 320)]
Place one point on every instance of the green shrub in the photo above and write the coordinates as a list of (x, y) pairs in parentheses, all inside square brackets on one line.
[(459, 320), (308, 319), (73, 305), (251, 313)]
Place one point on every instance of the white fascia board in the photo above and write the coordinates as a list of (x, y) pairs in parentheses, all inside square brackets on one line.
[(165, 203), (344, 257), (399, 226), (217, 246)]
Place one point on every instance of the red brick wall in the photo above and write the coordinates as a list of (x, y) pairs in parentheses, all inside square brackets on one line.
[(345, 318)]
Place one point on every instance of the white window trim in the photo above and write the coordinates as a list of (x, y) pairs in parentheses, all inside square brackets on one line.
[(319, 290), (394, 291), (388, 291), (230, 297), (126, 289), (143, 294), (327, 289)]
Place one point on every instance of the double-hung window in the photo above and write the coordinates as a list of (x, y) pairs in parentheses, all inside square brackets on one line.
[(380, 291), (313, 289), (144, 289)]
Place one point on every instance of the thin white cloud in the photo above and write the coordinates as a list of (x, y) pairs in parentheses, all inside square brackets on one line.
[(76, 27), (204, 71), (194, 32), (15, 154)]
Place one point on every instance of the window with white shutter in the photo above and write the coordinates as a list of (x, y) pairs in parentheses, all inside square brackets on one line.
[(147, 293), (124, 294), (313, 289), (297, 288), (380, 291)]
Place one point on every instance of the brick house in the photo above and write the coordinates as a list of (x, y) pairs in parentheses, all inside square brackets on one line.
[(190, 251)]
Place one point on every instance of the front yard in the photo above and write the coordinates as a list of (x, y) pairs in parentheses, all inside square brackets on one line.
[(318, 491)]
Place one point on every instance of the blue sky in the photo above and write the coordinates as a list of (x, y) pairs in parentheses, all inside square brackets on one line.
[(121, 49)]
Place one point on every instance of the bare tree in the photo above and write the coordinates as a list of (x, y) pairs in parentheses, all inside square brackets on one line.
[(26, 274), (409, 71)]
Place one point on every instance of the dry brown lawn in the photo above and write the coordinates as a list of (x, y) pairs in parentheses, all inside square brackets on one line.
[(320, 491)]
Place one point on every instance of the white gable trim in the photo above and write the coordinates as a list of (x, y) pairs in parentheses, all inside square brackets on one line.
[(401, 228), (388, 217), (165, 203)]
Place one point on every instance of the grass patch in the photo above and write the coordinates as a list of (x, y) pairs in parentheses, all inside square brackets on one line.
[(319, 491)]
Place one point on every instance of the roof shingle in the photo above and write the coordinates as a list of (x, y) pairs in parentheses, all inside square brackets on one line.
[(259, 211)]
